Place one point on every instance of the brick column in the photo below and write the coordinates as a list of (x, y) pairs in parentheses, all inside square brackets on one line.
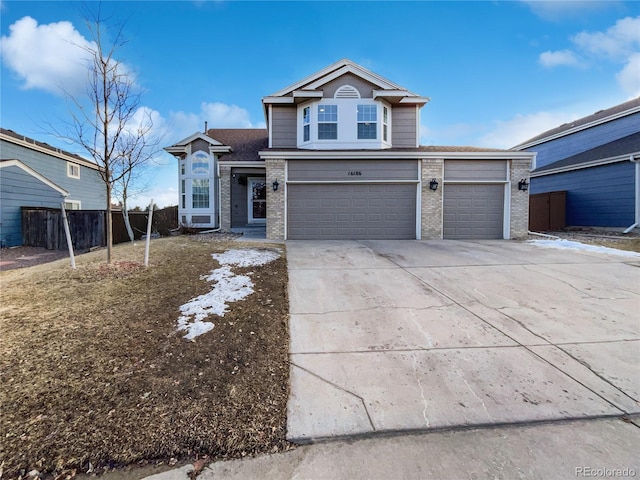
[(431, 208), (225, 193), (519, 200), (275, 200)]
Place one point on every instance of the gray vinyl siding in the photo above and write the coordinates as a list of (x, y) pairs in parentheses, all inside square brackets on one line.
[(365, 88), (200, 144), (352, 170), (283, 127), (89, 189), (404, 121), (474, 170), (20, 189)]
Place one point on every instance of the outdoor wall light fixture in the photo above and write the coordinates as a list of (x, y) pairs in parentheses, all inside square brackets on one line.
[(433, 184), (523, 185), (275, 186)]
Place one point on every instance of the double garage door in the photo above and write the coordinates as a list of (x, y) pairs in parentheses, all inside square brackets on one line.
[(362, 199), (351, 199), (351, 211)]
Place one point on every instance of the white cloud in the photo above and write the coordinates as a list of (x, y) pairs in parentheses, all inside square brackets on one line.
[(629, 77), (618, 42), (561, 57), (509, 133), (221, 115), (216, 114), (50, 57)]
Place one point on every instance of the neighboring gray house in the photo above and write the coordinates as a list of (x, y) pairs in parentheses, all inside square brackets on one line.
[(595, 160), (35, 174), (341, 159)]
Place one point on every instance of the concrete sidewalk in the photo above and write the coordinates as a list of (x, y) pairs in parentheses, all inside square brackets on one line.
[(564, 450)]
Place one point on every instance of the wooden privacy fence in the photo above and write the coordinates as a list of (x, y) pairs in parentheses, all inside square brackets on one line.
[(547, 211), (43, 227)]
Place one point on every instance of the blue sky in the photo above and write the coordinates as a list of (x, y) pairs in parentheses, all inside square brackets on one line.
[(497, 73)]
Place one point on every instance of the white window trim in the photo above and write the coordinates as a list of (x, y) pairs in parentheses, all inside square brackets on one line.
[(75, 204), (347, 125), (210, 197), (306, 123), (70, 167)]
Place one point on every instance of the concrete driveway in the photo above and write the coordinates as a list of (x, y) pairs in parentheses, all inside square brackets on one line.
[(417, 335)]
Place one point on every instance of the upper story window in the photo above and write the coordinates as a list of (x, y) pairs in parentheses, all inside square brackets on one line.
[(385, 124), (344, 123), (327, 122), (306, 124), (73, 170), (367, 122), (200, 163)]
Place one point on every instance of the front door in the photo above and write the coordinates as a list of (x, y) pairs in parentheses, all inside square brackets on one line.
[(257, 200)]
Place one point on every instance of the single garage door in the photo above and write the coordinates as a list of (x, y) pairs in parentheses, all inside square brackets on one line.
[(473, 211), (351, 211)]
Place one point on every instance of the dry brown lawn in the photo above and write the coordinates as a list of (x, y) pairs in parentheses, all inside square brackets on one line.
[(94, 374)]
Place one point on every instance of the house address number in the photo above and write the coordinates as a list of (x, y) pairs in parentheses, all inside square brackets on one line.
[(354, 172)]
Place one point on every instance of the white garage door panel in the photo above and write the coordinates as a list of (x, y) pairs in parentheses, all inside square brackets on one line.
[(351, 211), (473, 211)]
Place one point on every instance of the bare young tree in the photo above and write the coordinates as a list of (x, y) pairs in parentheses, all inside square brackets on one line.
[(136, 152), (105, 120)]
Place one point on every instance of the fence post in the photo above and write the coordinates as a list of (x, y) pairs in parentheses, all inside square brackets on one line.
[(146, 248), (68, 234)]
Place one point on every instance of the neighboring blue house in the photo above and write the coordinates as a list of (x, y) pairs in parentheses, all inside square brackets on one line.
[(34, 174), (595, 160)]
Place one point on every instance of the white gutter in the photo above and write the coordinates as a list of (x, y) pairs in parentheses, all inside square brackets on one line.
[(394, 154), (637, 192)]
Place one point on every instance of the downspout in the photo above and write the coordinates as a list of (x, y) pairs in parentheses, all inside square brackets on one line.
[(637, 194)]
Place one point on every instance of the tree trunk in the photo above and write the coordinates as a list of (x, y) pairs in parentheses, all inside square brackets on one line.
[(125, 216)]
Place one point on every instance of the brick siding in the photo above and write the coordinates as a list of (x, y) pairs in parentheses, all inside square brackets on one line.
[(275, 200), (431, 208)]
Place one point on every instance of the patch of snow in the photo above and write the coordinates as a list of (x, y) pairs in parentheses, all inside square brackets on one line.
[(571, 245), (229, 287), (246, 258)]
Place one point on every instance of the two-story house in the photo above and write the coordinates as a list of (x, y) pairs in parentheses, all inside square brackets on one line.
[(35, 174), (341, 159), (594, 160)]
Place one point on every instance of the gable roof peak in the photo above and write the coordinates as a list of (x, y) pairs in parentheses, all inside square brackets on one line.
[(334, 70)]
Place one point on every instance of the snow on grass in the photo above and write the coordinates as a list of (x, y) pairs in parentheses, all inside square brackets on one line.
[(229, 287), (246, 258), (571, 245)]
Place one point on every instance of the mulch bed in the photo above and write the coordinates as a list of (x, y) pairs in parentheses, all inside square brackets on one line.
[(95, 376)]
